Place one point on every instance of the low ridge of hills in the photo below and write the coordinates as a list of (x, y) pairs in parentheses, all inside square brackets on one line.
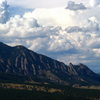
[(21, 64)]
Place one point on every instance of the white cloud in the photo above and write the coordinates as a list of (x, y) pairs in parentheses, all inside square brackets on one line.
[(4, 12), (91, 26), (48, 3), (73, 6), (56, 17), (38, 3), (51, 3), (2, 1), (94, 3)]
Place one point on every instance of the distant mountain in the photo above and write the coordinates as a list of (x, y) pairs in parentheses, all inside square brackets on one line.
[(19, 62)]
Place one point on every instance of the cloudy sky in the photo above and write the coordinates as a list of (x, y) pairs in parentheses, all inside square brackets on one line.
[(41, 3), (68, 31)]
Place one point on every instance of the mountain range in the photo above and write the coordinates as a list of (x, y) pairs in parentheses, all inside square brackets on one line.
[(21, 64)]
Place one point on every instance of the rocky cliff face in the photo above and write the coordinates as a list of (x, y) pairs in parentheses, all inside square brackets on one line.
[(19, 60)]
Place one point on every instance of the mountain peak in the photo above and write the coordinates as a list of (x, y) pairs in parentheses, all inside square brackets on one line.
[(3, 45), (70, 64), (20, 47)]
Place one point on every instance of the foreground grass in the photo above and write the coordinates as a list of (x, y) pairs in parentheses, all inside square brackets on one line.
[(11, 91)]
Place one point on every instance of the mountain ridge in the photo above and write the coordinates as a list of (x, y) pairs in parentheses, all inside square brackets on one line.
[(19, 60)]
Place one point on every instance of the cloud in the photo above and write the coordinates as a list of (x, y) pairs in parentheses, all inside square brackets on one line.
[(1, 1), (38, 3), (73, 6), (52, 3), (90, 26), (7, 11), (4, 12), (57, 17), (94, 3)]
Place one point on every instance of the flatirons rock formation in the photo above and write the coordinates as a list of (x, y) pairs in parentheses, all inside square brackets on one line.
[(19, 62)]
